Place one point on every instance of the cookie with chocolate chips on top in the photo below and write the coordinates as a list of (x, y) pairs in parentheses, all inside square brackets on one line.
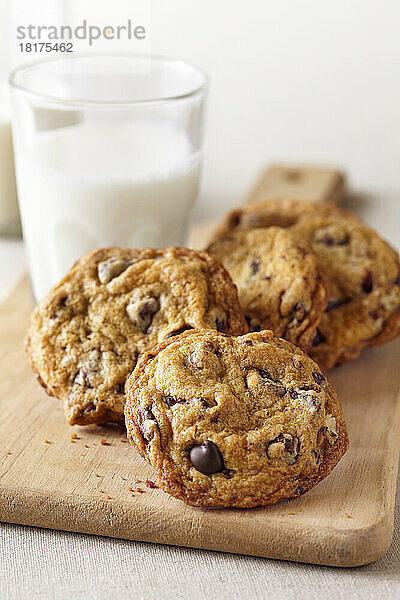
[(362, 272), (114, 304), (279, 284), (234, 421)]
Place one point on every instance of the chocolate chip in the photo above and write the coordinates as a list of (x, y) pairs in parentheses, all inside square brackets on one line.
[(318, 378), (297, 315), (274, 385), (147, 414), (264, 374), (332, 304), (178, 331), (110, 268), (319, 338), (253, 324), (255, 266), (299, 311), (376, 314), (307, 394), (149, 424), (367, 283), (221, 324), (60, 305), (206, 458), (284, 448), (172, 400), (214, 417), (89, 407), (256, 376), (82, 378), (249, 343), (142, 311), (330, 236), (228, 473)]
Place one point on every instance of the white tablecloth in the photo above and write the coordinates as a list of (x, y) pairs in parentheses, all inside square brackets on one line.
[(37, 564)]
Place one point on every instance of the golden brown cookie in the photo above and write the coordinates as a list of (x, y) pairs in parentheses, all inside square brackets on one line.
[(278, 281), (114, 304), (361, 269), (234, 421)]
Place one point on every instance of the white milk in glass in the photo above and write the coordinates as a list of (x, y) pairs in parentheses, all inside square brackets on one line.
[(92, 185), (9, 217)]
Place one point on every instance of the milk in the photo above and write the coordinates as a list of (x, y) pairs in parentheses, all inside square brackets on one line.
[(92, 185)]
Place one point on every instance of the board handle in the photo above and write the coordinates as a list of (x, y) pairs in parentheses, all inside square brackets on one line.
[(313, 184)]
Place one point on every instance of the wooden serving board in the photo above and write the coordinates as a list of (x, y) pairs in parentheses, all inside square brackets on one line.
[(90, 483)]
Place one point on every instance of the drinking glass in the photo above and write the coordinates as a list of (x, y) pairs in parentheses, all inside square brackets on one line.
[(108, 152)]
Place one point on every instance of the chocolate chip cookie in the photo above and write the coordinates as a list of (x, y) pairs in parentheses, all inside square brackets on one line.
[(361, 269), (114, 304), (234, 421), (278, 281)]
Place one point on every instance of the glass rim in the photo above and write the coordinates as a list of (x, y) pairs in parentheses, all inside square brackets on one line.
[(154, 58)]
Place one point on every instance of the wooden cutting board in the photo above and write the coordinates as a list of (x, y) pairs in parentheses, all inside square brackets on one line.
[(88, 479)]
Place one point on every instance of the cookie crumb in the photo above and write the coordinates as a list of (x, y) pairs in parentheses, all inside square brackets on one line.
[(150, 484), (138, 489), (123, 440), (348, 516), (74, 436), (8, 452), (292, 513), (46, 441), (86, 446), (101, 491), (97, 475), (104, 442), (123, 478), (109, 498)]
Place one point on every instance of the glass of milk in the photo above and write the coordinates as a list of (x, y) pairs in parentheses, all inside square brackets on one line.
[(107, 152)]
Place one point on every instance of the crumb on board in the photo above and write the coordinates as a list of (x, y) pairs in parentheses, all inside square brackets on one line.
[(86, 446), (123, 478), (109, 497), (348, 516), (150, 484), (46, 441), (8, 452), (123, 440), (74, 437), (292, 513), (97, 475), (137, 489), (101, 491), (104, 442)]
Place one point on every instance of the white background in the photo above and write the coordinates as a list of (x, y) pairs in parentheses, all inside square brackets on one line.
[(291, 80)]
